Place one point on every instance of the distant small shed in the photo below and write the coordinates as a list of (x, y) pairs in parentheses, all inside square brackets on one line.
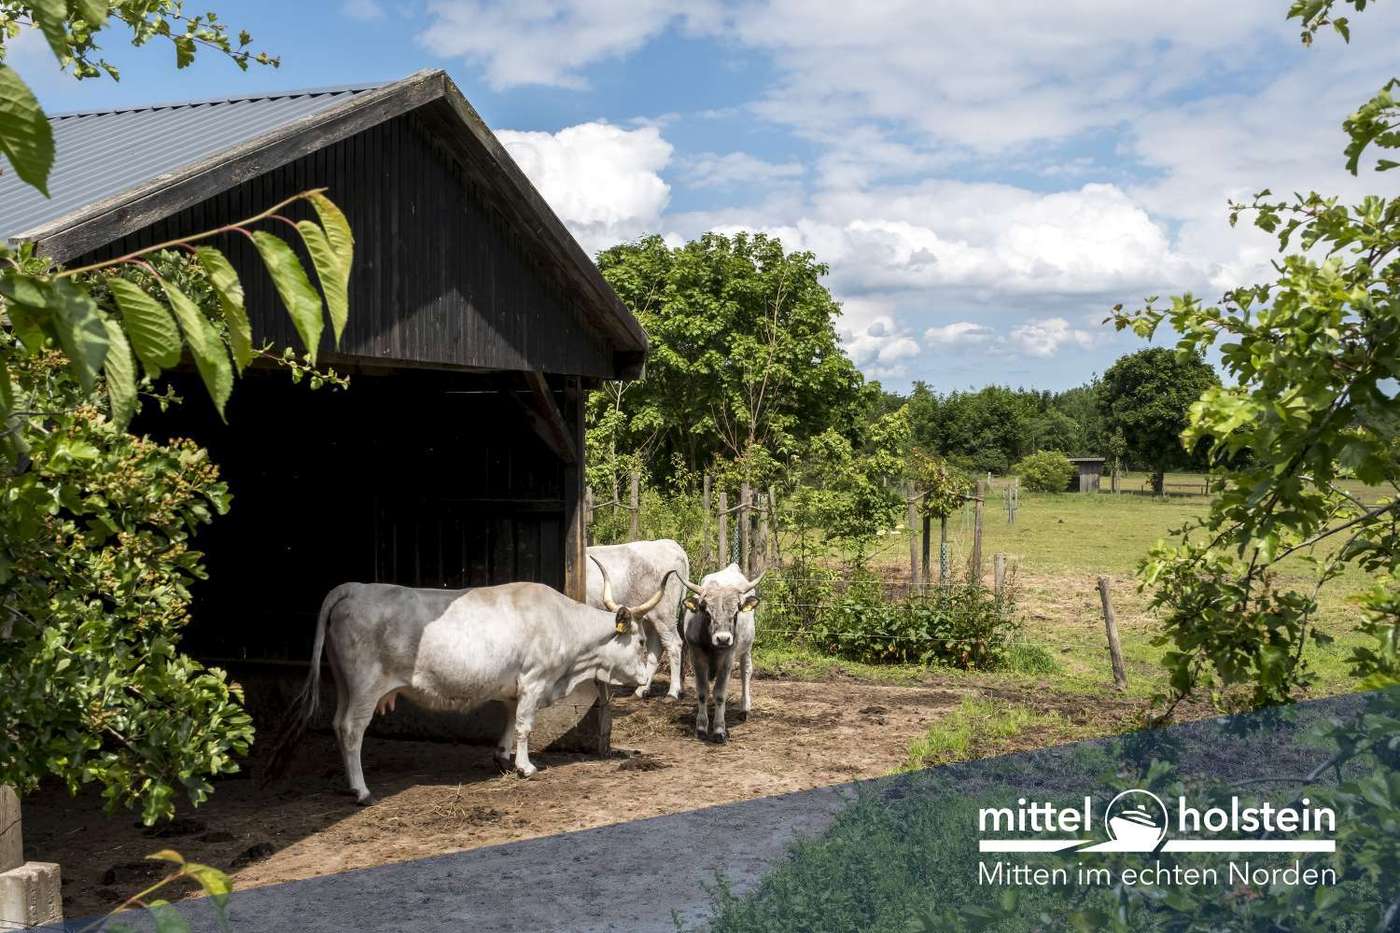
[(1088, 474)]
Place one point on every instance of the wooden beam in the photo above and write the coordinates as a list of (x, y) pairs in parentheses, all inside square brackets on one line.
[(536, 403), (575, 529)]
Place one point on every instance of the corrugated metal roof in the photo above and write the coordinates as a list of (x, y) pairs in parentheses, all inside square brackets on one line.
[(103, 153)]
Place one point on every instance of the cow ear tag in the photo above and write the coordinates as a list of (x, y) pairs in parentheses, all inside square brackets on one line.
[(620, 623), (750, 603), (692, 603)]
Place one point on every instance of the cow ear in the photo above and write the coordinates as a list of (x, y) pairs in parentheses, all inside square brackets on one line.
[(749, 603), (692, 603), (622, 621)]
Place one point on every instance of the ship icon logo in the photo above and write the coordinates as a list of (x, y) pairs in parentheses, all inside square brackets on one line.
[(1136, 821)]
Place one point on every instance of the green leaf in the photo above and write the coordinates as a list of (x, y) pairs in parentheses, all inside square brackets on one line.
[(51, 16), (210, 356), (337, 230), (120, 370), (328, 271), (152, 330), (224, 278), (79, 328), (93, 12), (26, 138), (302, 301), (168, 919)]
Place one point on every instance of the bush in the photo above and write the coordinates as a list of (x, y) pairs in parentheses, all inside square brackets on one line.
[(1046, 471), (962, 625)]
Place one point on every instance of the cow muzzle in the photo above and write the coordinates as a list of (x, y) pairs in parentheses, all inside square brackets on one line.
[(723, 639)]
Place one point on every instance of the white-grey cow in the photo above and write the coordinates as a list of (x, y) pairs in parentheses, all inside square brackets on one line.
[(524, 644), (719, 625), (636, 570)]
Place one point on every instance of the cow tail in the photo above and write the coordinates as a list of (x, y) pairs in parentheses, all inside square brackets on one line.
[(307, 701)]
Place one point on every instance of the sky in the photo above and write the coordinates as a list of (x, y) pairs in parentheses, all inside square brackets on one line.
[(984, 180)]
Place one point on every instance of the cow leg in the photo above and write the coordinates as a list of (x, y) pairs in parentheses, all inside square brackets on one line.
[(745, 675), (524, 722), (718, 732), (501, 753), (701, 663), (351, 720), (673, 657)]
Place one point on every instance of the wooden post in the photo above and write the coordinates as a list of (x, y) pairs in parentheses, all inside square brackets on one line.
[(999, 575), (634, 525), (1110, 624), (772, 543), (11, 847), (588, 513), (911, 513), (705, 522), (974, 564), (760, 551), (1113, 482), (723, 528), (925, 573), (575, 530), (745, 531), (29, 891)]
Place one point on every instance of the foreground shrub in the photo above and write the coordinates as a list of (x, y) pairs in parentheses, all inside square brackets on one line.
[(1046, 471), (963, 625)]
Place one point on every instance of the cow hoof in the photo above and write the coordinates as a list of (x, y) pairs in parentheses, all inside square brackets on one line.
[(701, 734), (528, 771), (366, 801), (672, 697), (719, 738), (741, 715), (640, 693)]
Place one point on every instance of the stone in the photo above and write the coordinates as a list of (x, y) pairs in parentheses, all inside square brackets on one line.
[(30, 896)]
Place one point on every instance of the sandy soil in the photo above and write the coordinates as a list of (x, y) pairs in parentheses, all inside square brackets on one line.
[(439, 798)]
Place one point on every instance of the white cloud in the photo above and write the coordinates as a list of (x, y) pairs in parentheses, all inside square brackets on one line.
[(1044, 337), (712, 170), (959, 332), (603, 181), (550, 41), (871, 336), (363, 9)]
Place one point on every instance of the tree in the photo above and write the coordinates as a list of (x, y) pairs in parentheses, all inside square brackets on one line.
[(1045, 471), (744, 353), (95, 556), (1145, 398)]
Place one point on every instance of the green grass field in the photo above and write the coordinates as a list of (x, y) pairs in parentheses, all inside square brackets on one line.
[(1058, 547)]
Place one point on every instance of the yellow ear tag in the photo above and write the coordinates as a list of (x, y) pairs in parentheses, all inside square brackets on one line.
[(692, 603), (621, 628)]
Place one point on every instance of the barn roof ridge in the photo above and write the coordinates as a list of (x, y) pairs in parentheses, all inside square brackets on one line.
[(204, 101), (100, 206)]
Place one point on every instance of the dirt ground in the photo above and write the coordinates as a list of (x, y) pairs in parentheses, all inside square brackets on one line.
[(439, 798)]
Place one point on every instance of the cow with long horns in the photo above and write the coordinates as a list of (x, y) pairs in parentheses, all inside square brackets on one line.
[(719, 625), (524, 644)]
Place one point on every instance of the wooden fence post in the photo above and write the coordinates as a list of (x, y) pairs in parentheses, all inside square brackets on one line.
[(925, 572), (772, 543), (760, 546), (745, 531), (1110, 624), (705, 522), (999, 575), (634, 525), (911, 513), (723, 528), (974, 564)]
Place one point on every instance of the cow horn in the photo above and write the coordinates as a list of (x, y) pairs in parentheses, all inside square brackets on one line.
[(650, 604), (688, 585), (753, 584), (607, 585)]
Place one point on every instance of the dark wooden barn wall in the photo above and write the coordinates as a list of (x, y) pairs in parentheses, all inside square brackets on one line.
[(417, 478), (440, 278)]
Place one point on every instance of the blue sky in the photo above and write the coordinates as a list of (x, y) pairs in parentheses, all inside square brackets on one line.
[(985, 180)]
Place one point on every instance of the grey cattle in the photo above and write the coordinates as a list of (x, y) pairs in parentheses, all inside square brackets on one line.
[(719, 625), (636, 570), (524, 644)]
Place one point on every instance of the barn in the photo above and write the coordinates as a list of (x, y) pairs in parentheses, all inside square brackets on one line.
[(477, 326)]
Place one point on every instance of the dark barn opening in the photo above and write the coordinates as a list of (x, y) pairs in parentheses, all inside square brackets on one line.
[(477, 325)]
